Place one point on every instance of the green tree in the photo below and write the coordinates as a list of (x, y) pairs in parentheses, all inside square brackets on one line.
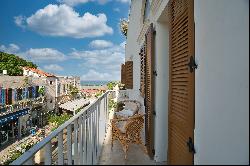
[(13, 64), (73, 90), (112, 84)]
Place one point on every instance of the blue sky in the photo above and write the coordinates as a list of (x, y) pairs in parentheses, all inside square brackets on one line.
[(66, 37)]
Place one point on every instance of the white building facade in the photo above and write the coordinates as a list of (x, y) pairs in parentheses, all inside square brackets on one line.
[(220, 84)]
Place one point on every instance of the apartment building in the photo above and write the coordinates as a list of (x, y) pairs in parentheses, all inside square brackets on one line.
[(187, 61)]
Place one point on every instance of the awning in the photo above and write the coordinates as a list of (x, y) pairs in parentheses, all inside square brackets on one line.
[(13, 116), (75, 104)]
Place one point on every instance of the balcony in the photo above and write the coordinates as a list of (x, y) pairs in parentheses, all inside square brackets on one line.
[(84, 139)]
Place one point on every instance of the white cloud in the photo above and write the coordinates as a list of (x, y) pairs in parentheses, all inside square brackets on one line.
[(101, 60), (100, 44), (78, 2), (53, 67), (11, 49), (116, 9), (124, 1), (62, 20), (92, 75), (20, 21), (44, 54), (100, 56), (102, 2), (73, 2)]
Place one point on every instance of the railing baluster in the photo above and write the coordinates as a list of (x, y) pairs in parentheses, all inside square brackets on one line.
[(60, 149), (69, 144), (88, 141), (107, 109), (91, 138), (48, 153), (104, 112), (84, 139), (92, 135), (80, 141), (95, 136), (98, 129), (75, 142)]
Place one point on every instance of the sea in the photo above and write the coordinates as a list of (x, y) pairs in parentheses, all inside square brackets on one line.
[(93, 83)]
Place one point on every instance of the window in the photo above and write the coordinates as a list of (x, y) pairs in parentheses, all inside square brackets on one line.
[(146, 10), (51, 82)]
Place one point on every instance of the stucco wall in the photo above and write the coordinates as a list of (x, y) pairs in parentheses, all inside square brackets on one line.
[(161, 91), (132, 47), (135, 39), (222, 81)]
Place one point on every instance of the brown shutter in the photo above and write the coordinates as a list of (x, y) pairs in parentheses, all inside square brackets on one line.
[(123, 74), (129, 74), (142, 78), (181, 90), (149, 91)]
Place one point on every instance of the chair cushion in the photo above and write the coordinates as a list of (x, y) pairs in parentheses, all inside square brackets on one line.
[(125, 113), (121, 125), (132, 106)]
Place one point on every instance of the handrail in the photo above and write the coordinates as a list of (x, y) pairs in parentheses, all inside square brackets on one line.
[(31, 152)]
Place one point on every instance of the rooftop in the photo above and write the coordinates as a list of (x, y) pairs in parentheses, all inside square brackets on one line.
[(38, 71)]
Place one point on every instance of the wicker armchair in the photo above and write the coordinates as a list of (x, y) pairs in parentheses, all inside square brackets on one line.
[(127, 131)]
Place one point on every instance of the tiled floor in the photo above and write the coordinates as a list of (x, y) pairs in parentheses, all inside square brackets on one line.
[(136, 155)]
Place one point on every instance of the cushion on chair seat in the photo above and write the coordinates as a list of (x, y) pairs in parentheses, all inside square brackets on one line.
[(125, 113), (131, 105)]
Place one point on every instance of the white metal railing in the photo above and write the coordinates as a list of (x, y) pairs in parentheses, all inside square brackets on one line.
[(84, 134)]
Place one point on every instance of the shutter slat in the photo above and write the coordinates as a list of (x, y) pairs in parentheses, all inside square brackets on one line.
[(180, 54)]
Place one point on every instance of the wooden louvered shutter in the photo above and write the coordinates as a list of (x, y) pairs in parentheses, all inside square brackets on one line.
[(142, 78), (149, 91), (123, 74), (129, 74), (181, 91), (10, 96)]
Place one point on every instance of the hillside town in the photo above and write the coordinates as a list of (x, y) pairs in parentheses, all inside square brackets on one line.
[(28, 101)]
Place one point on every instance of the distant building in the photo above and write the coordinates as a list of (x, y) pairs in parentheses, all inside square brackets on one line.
[(21, 106), (56, 85), (27, 71), (91, 91), (16, 91)]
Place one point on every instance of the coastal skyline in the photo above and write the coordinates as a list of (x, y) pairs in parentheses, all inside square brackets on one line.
[(66, 37)]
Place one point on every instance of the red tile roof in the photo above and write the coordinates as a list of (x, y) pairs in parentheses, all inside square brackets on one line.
[(89, 90), (40, 72)]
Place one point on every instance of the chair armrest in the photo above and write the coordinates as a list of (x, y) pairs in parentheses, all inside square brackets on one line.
[(119, 119), (135, 101), (126, 119)]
